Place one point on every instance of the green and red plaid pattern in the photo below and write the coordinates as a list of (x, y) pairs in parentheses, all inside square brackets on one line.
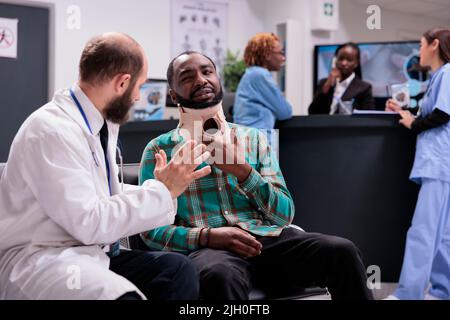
[(262, 204)]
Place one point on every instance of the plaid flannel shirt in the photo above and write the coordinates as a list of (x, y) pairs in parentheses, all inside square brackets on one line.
[(261, 205)]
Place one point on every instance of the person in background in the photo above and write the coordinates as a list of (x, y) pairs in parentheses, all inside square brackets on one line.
[(344, 84), (259, 102), (427, 252)]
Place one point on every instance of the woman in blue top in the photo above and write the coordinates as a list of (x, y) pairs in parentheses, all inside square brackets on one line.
[(259, 102), (427, 252)]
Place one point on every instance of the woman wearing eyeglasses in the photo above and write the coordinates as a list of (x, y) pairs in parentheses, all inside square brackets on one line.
[(344, 89), (259, 102), (427, 253)]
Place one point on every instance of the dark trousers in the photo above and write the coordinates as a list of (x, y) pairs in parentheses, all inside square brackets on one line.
[(295, 259), (159, 275)]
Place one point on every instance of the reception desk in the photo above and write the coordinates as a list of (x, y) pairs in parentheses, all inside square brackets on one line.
[(348, 176)]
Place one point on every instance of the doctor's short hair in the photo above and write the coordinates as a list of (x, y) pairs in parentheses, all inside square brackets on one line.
[(170, 71), (259, 49), (104, 57)]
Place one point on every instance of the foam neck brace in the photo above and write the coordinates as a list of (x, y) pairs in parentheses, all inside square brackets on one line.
[(196, 124)]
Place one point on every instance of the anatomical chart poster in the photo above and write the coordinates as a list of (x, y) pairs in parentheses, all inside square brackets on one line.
[(200, 26)]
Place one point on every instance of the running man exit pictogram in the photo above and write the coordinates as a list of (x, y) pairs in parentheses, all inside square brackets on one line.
[(8, 38)]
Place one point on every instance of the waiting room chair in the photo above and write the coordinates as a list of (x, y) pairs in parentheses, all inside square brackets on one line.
[(135, 242), (131, 176)]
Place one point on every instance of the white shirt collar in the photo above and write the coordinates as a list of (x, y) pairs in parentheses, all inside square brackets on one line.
[(94, 117), (339, 92), (347, 81)]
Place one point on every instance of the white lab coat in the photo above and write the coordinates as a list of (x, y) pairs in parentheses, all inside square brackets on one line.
[(56, 213)]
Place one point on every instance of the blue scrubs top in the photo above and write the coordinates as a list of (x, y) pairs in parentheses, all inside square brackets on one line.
[(259, 102), (433, 146)]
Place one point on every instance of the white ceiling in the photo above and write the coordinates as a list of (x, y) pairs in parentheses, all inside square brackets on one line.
[(439, 9)]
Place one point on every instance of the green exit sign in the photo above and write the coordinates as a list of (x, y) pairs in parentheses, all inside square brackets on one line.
[(328, 9)]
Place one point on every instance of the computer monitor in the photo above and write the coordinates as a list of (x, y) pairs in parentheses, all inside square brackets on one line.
[(152, 104), (383, 64)]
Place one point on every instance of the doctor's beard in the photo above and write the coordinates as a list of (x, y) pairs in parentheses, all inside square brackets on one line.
[(191, 104), (117, 110)]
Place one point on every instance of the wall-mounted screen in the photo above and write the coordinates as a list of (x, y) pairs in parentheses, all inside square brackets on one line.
[(152, 104), (382, 64)]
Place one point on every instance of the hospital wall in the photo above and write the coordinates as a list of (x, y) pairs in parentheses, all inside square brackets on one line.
[(149, 22)]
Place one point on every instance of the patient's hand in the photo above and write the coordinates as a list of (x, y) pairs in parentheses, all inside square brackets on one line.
[(235, 240), (229, 156)]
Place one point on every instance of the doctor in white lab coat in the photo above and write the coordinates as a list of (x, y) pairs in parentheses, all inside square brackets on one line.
[(61, 203)]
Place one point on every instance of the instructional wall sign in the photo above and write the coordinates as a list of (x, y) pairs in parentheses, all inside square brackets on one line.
[(8, 38), (200, 26)]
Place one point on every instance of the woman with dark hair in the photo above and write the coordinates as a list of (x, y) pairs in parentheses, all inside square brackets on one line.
[(344, 89), (427, 252)]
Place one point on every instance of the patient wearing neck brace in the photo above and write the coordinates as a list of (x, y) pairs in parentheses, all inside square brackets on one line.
[(202, 121)]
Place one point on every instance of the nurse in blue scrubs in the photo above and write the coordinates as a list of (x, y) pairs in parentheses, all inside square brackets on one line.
[(427, 255)]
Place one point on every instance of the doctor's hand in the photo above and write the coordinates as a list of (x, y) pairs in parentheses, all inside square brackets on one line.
[(391, 105), (407, 119), (180, 171), (235, 240), (228, 155)]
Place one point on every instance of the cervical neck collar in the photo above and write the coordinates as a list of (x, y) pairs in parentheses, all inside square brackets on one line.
[(195, 124)]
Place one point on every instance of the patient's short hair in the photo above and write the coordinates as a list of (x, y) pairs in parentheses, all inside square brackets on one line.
[(170, 70)]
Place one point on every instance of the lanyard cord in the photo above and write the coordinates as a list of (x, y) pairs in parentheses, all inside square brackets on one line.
[(119, 151), (80, 108)]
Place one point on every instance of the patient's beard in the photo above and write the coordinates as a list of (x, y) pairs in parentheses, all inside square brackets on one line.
[(191, 104)]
